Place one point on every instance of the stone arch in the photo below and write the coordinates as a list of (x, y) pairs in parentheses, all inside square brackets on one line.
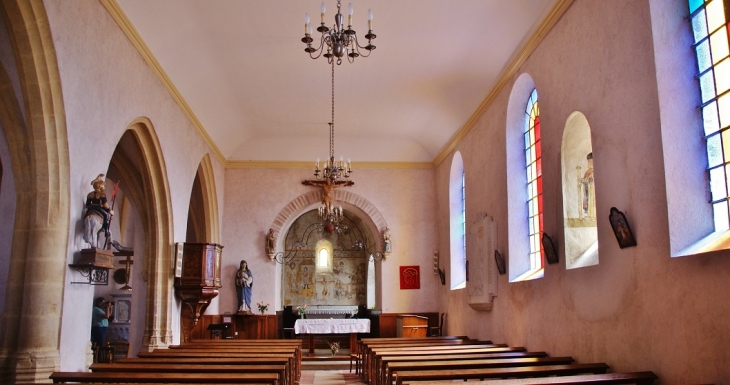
[(152, 197), (363, 208), (29, 338), (205, 212), (298, 205)]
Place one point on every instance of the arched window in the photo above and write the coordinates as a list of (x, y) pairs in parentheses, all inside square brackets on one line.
[(524, 182), (457, 210), (533, 160), (710, 30), (580, 226), (324, 256)]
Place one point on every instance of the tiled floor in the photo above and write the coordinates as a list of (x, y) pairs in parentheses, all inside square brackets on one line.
[(329, 377)]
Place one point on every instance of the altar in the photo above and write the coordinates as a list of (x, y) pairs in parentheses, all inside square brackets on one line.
[(332, 326)]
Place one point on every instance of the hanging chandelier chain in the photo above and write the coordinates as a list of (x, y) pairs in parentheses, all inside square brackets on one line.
[(332, 123)]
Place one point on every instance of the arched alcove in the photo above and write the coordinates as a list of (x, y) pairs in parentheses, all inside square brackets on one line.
[(326, 268), (138, 164), (579, 194), (370, 216)]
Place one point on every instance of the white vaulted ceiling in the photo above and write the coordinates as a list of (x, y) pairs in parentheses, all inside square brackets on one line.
[(241, 72)]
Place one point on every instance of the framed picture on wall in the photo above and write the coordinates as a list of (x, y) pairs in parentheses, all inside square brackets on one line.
[(621, 228), (410, 277), (122, 310)]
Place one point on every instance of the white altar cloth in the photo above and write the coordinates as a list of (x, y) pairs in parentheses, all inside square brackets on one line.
[(332, 326)]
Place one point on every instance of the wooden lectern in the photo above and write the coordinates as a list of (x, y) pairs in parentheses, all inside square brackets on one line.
[(198, 283), (411, 326)]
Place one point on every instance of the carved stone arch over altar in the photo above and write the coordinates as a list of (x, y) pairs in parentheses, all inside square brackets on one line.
[(347, 199), (356, 204)]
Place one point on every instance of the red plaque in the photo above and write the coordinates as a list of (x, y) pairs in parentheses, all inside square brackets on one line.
[(410, 277)]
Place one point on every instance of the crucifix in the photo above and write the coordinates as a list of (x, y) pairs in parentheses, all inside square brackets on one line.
[(328, 187), (127, 267)]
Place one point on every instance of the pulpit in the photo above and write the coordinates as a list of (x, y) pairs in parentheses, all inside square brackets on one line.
[(411, 326), (198, 283)]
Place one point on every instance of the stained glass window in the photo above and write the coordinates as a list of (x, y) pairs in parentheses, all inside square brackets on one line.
[(463, 212), (533, 157), (710, 27)]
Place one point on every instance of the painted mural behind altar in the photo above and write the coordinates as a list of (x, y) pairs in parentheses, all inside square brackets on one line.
[(343, 279)]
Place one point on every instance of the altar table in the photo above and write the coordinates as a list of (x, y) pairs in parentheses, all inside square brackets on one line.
[(332, 326)]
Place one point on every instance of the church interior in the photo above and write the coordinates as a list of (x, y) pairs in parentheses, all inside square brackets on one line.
[(546, 174)]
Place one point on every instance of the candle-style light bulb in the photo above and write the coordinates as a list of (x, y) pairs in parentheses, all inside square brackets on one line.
[(306, 23), (350, 10), (317, 163), (322, 10), (370, 19)]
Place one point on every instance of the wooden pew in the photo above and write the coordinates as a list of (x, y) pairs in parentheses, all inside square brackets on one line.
[(279, 370), (406, 376), (394, 368), (384, 361), (375, 352), (202, 353), (372, 348), (364, 342), (291, 376), (638, 378), (425, 353), (178, 378)]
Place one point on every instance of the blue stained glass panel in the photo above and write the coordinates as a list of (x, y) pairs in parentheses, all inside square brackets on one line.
[(699, 26), (528, 158), (703, 56), (694, 4), (709, 116), (717, 183), (714, 151), (707, 86)]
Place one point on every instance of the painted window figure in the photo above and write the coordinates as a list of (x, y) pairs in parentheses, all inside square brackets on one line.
[(588, 191), (244, 284)]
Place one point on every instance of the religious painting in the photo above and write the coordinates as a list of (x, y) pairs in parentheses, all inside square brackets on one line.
[(548, 246), (122, 310), (621, 229), (410, 277)]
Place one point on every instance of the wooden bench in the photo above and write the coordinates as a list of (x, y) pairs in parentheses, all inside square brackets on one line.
[(394, 368), (202, 353), (638, 378), (384, 361), (371, 350), (291, 376), (376, 352), (379, 360), (279, 370), (407, 376), (365, 342), (179, 378)]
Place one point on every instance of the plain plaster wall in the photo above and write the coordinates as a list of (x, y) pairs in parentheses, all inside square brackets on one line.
[(405, 197), (106, 86), (639, 309)]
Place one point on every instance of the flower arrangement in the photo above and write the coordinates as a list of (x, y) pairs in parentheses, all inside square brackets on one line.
[(262, 307), (334, 347), (302, 310)]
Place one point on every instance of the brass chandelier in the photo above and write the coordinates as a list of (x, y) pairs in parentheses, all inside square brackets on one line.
[(338, 40)]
